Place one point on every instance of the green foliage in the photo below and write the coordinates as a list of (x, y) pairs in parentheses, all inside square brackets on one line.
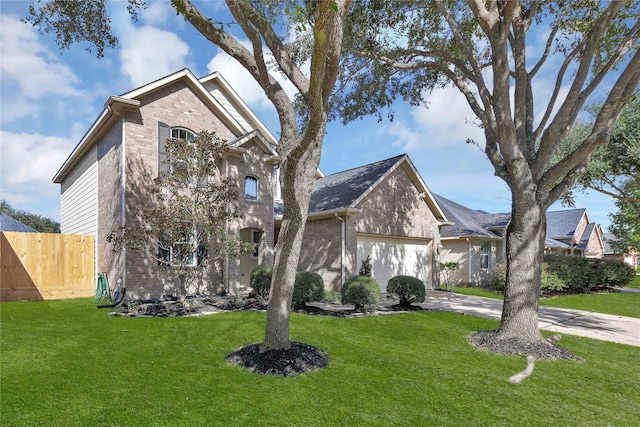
[(260, 280), (75, 21), (37, 222), (308, 287), (625, 223), (575, 275), (447, 269), (614, 169), (407, 289), (182, 215), (366, 268), (361, 291)]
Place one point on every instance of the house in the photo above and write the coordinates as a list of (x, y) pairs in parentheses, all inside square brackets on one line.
[(384, 209), (7, 223), (630, 257), (477, 239)]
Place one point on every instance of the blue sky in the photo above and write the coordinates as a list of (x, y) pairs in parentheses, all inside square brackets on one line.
[(48, 100)]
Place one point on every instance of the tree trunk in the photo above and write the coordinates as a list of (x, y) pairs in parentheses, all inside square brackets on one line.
[(301, 173), (525, 249)]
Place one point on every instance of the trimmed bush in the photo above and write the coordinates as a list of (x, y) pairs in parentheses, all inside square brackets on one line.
[(575, 275), (361, 291), (407, 289), (308, 287), (260, 280)]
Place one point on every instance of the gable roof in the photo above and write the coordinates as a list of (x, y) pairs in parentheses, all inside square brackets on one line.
[(8, 223), (468, 222), (606, 239), (475, 223), (344, 190), (230, 113), (563, 224)]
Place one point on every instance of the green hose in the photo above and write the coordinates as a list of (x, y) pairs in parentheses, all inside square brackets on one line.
[(102, 290)]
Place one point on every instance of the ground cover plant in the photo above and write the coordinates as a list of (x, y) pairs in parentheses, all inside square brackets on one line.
[(66, 363)]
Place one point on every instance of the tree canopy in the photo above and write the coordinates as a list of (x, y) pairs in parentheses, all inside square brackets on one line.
[(498, 54), (37, 222)]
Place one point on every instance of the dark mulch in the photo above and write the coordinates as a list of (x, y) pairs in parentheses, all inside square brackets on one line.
[(543, 349), (300, 358)]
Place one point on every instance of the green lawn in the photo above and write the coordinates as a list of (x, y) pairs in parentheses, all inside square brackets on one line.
[(617, 303), (635, 283), (64, 363)]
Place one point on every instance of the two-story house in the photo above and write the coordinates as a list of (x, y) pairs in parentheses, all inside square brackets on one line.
[(384, 210)]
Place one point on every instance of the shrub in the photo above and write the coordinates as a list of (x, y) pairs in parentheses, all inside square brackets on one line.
[(361, 291), (575, 274), (500, 280), (260, 280), (308, 287), (407, 289)]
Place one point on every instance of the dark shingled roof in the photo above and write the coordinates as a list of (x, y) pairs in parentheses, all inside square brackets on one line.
[(562, 224), (475, 223), (341, 190), (468, 222), (606, 239), (9, 224)]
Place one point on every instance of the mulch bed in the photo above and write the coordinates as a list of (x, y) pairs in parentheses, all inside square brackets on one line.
[(300, 358), (543, 349)]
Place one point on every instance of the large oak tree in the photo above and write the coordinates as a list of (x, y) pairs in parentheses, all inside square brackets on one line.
[(490, 51), (264, 24)]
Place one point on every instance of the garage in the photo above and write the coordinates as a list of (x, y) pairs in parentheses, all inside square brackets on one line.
[(395, 256)]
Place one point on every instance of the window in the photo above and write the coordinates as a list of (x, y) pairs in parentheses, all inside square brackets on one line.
[(276, 183), (251, 188), (184, 252), (182, 133), (485, 252), (255, 238)]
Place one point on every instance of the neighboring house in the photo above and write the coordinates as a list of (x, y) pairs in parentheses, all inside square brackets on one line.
[(384, 210), (573, 229), (477, 240), (8, 223), (630, 257)]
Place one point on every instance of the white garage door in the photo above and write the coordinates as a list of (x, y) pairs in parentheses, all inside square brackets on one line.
[(392, 257)]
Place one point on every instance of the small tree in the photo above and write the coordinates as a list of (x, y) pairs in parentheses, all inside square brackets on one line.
[(184, 227), (447, 271), (366, 268)]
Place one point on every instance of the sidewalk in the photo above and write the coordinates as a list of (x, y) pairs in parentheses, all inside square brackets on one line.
[(605, 327)]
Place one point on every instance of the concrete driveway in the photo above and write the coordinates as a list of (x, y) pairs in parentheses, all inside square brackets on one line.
[(605, 327)]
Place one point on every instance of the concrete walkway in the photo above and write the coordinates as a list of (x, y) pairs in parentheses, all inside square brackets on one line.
[(605, 327)]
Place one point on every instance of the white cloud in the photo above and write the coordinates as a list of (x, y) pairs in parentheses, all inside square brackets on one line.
[(448, 120), (148, 53), (30, 71), (29, 161), (157, 14), (243, 83)]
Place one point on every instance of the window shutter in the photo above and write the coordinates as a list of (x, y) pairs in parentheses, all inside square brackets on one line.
[(164, 133)]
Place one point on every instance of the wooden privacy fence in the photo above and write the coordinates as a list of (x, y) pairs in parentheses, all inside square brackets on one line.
[(40, 266)]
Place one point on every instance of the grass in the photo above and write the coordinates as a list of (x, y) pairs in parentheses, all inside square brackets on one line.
[(616, 303), (635, 283), (66, 363)]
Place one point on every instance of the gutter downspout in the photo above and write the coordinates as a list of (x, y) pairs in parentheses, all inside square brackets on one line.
[(226, 226), (469, 260), (343, 248), (123, 191)]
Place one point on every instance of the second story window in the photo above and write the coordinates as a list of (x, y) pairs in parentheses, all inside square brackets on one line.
[(181, 133), (251, 189)]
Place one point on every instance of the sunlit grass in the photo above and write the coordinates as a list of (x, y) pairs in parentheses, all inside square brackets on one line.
[(66, 363)]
